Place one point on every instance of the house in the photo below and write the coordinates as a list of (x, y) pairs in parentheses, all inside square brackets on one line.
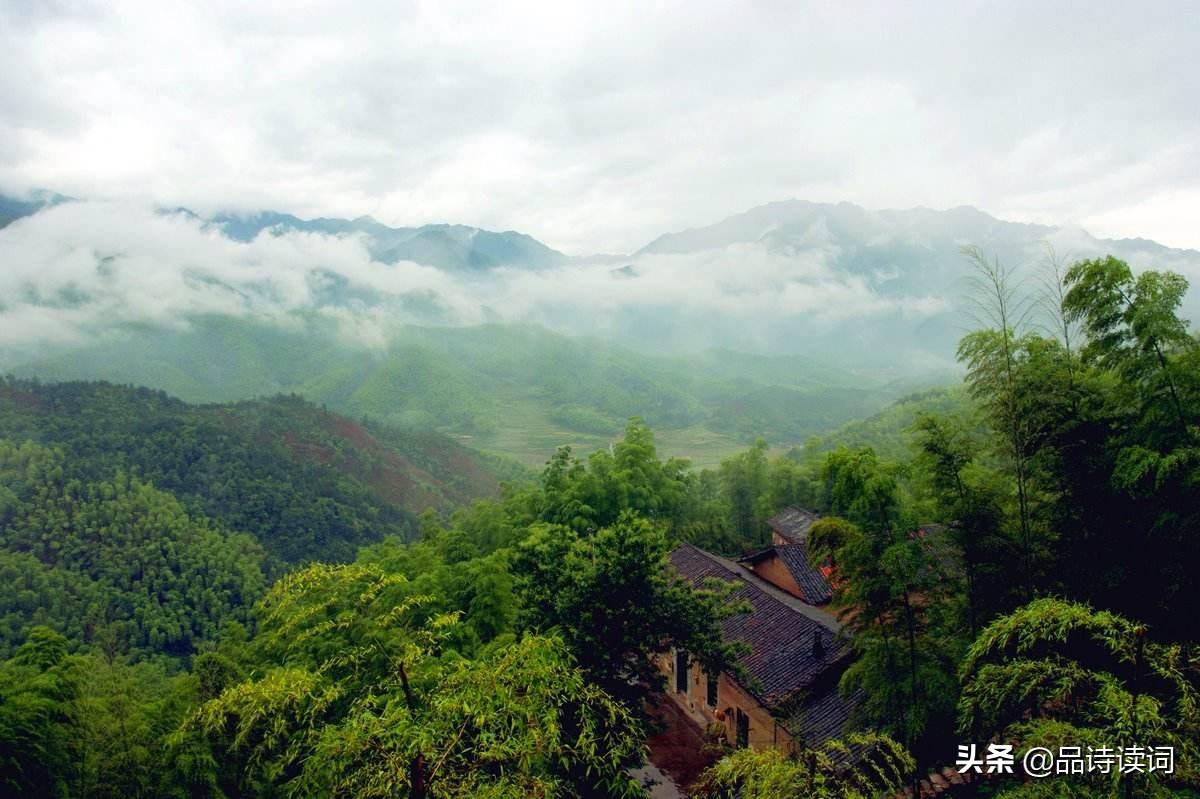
[(790, 525), (788, 696), (786, 564)]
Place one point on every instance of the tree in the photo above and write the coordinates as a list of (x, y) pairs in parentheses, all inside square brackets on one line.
[(1056, 672), (896, 596), (744, 482), (729, 506), (812, 774), (862, 489), (1133, 329), (37, 689), (970, 505), (366, 705), (479, 588), (121, 558), (122, 715), (991, 358), (613, 599), (902, 625), (627, 477), (1146, 404), (519, 722)]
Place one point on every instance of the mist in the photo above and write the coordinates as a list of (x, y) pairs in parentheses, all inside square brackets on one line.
[(880, 290), (82, 270)]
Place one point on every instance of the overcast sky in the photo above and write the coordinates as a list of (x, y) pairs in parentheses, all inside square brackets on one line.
[(596, 127)]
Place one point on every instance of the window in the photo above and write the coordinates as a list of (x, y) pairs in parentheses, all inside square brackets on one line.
[(743, 729), (712, 689), (681, 671)]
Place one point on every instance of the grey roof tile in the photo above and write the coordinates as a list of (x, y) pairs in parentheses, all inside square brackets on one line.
[(792, 523)]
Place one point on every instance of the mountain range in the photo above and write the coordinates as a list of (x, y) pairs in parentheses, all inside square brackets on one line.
[(442, 246), (716, 335), (898, 249)]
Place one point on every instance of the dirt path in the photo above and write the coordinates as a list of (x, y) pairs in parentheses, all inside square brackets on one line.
[(657, 784), (678, 752)]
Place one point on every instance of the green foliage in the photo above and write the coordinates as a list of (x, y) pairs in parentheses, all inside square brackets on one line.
[(584, 419), (517, 389), (85, 725), (627, 477), (122, 715), (305, 483), (890, 431), (964, 492), (367, 708), (784, 414), (36, 693), (863, 489), (728, 508), (899, 590), (517, 723), (811, 774), (1056, 672), (119, 558), (343, 621), (449, 568), (1093, 468), (1134, 332), (743, 478), (611, 597)]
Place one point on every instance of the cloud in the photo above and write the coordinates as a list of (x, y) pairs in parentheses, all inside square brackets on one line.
[(596, 126), (79, 269)]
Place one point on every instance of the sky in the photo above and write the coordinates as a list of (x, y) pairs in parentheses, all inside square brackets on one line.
[(596, 127)]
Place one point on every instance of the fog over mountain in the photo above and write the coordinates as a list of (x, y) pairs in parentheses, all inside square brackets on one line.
[(371, 165), (383, 384), (880, 290)]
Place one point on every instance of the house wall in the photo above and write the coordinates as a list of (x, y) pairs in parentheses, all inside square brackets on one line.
[(774, 571), (778, 540), (765, 732)]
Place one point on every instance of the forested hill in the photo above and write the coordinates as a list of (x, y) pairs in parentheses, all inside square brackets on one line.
[(307, 484), (519, 390), (135, 521), (891, 432)]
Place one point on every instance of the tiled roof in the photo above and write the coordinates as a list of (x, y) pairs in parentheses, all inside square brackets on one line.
[(817, 718), (779, 631), (793, 523), (815, 586)]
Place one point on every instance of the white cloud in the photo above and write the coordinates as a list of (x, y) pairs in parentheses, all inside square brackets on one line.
[(78, 269), (598, 126)]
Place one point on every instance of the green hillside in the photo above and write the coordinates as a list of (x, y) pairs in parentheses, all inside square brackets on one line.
[(889, 431), (518, 390), (305, 483)]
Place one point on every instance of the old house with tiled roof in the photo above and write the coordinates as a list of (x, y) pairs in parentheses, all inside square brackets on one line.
[(790, 525), (786, 563), (787, 696), (788, 567)]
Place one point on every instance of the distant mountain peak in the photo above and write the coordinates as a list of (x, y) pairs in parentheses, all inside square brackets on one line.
[(13, 208), (845, 220), (444, 245)]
